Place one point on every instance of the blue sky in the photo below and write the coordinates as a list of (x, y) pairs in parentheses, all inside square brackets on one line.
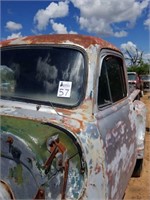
[(125, 23)]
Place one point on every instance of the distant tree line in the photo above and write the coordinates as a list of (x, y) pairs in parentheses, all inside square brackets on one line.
[(143, 68)]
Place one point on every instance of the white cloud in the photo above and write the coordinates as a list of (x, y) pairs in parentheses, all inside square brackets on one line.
[(54, 10), (120, 34), (73, 32), (13, 26), (100, 16), (60, 28), (14, 35), (133, 49), (146, 57), (130, 46), (147, 23)]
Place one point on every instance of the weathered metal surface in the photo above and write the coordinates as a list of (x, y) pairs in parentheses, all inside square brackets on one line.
[(140, 127), (27, 159), (81, 40), (79, 153), (5, 191)]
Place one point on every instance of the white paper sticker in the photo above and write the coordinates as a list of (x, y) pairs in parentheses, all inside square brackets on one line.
[(64, 89)]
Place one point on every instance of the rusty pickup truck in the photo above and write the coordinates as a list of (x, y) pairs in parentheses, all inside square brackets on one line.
[(70, 129)]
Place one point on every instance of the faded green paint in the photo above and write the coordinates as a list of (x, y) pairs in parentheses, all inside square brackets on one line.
[(35, 135), (16, 173)]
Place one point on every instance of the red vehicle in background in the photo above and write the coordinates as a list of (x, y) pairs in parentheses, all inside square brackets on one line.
[(146, 82), (135, 82)]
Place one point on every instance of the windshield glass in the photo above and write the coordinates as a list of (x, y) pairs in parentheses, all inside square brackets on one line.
[(44, 74), (131, 77), (145, 77)]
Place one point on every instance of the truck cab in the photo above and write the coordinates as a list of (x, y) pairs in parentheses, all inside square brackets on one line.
[(70, 128)]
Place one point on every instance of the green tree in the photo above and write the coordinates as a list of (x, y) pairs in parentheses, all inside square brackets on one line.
[(134, 58), (143, 68)]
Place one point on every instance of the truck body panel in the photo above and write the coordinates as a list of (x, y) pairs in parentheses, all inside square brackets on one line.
[(69, 126)]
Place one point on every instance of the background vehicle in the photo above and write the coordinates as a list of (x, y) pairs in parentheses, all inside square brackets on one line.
[(135, 82), (146, 82), (70, 129)]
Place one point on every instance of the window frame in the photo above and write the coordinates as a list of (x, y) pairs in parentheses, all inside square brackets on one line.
[(47, 46), (103, 54)]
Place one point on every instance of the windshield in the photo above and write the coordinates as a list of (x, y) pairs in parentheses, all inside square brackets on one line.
[(131, 77), (145, 77), (44, 74)]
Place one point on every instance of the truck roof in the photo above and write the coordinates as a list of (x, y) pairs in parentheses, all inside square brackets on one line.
[(81, 40), (131, 73)]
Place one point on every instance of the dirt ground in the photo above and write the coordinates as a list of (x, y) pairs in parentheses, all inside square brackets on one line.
[(139, 188)]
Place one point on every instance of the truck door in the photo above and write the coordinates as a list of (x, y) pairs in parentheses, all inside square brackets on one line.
[(114, 123)]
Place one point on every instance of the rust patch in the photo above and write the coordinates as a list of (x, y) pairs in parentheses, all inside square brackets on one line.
[(97, 169), (82, 40), (40, 194)]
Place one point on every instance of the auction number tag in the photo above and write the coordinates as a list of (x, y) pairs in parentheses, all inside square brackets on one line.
[(64, 89)]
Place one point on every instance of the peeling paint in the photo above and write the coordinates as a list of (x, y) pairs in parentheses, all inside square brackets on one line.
[(84, 41), (78, 152)]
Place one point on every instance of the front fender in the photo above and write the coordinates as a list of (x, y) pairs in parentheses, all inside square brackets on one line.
[(39, 161)]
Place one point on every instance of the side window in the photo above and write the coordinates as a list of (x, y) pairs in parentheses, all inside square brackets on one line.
[(112, 85), (104, 96)]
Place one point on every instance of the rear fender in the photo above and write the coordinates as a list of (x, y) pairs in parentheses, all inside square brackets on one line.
[(140, 123)]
